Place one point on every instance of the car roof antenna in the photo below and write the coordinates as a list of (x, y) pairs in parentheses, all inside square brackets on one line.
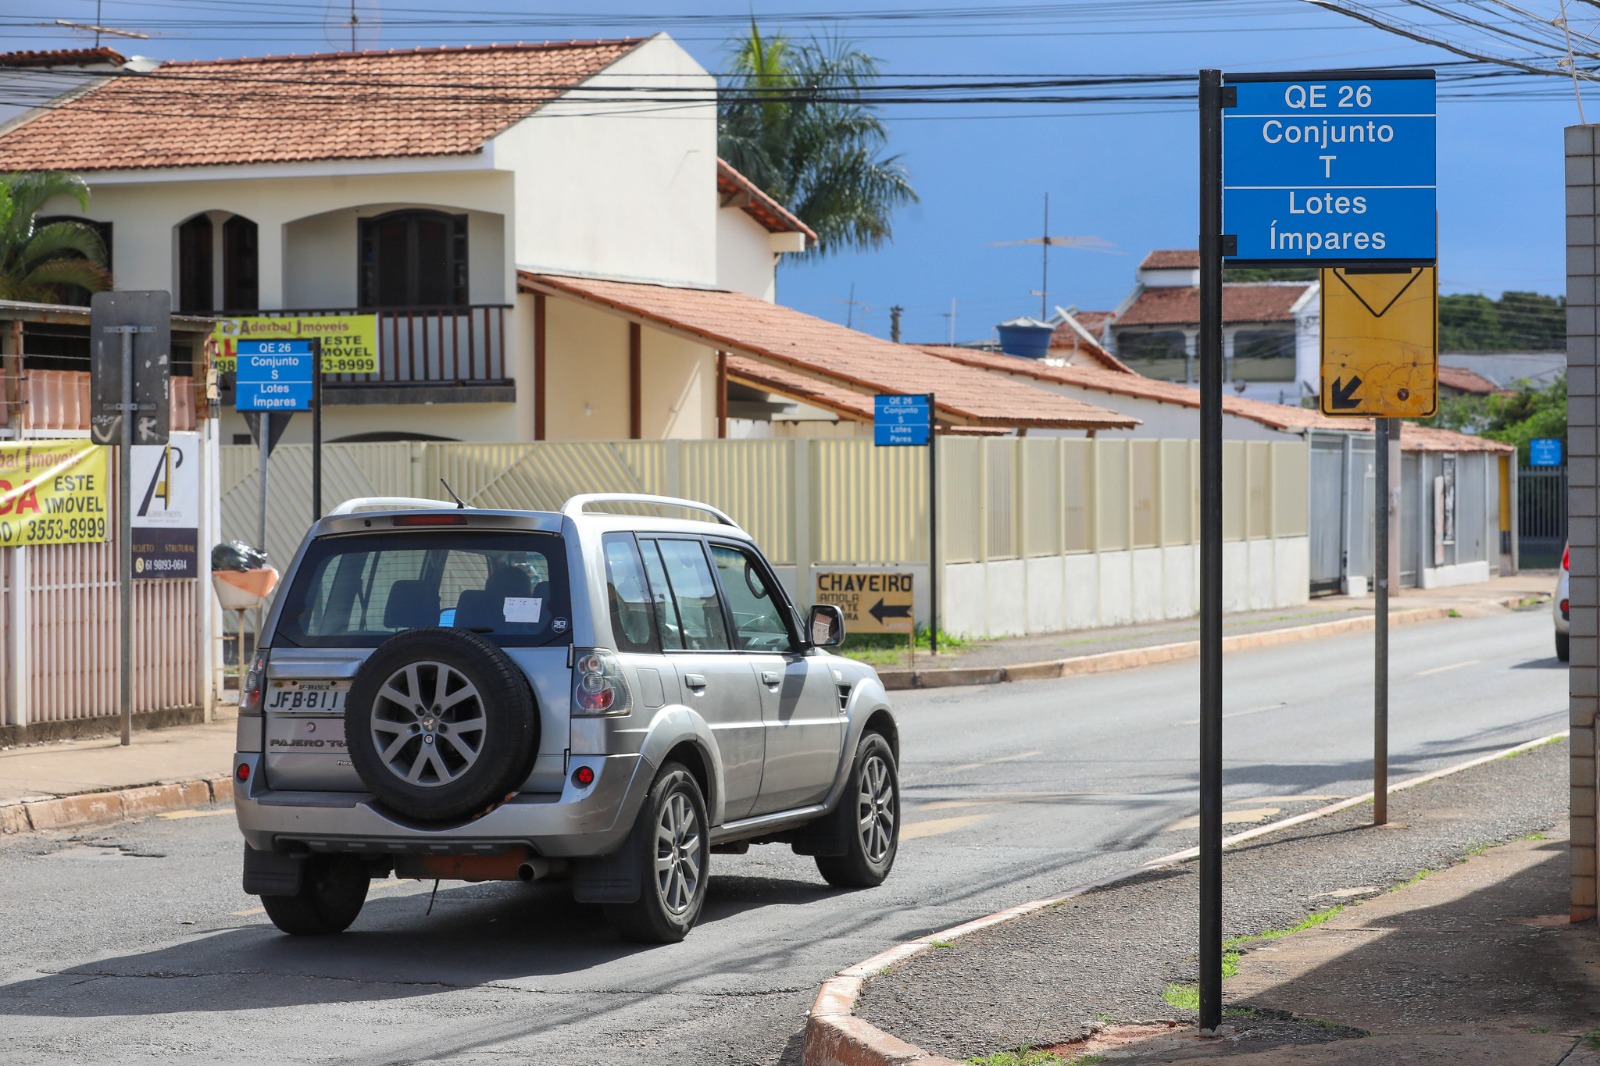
[(461, 504)]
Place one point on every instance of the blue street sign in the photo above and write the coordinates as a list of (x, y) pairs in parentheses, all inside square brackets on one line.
[(274, 380), (1331, 168), (1544, 451), (900, 420)]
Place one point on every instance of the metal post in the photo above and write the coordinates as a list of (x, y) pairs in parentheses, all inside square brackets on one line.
[(1380, 656), (264, 428), (1210, 347), (125, 536), (933, 531), (316, 429)]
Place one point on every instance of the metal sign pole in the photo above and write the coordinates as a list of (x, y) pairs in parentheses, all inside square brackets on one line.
[(125, 536), (1380, 665), (316, 428), (933, 535), (1210, 345)]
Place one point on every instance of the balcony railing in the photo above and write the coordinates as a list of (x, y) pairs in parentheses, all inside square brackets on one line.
[(423, 346)]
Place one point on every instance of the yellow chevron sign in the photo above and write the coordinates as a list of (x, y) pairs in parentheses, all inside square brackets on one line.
[(1380, 342)]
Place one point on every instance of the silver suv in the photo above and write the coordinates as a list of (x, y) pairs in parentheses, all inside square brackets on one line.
[(451, 693)]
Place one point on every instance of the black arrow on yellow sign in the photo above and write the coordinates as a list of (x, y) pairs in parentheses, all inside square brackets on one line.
[(881, 610), (1344, 396)]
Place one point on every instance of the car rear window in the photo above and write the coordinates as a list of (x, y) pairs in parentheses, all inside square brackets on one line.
[(360, 590)]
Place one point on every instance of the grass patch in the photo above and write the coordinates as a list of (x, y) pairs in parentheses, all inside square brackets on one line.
[(1184, 997), (1413, 879), (1034, 1057), (893, 649), (1453, 613), (1535, 836), (941, 943), (1310, 921)]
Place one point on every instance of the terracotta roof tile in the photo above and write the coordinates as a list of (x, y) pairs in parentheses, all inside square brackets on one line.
[(1461, 379), (841, 358), (63, 57), (347, 105), (1415, 438), (1242, 302), (797, 386), (758, 205), (1172, 259)]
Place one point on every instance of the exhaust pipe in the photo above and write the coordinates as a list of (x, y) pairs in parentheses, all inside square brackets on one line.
[(533, 869)]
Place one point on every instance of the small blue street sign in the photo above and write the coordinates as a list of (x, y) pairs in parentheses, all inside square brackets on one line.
[(1339, 167), (274, 376), (1544, 451), (900, 420)]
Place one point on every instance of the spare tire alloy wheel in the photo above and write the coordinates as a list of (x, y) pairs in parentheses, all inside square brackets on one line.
[(440, 724)]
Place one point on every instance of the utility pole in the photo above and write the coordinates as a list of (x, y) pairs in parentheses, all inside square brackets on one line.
[(894, 322)]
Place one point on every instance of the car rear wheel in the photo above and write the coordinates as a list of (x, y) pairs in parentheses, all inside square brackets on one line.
[(869, 813), (441, 724), (671, 835), (1564, 646), (331, 895)]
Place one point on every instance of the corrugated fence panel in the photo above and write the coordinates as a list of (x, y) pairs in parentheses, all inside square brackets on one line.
[(1041, 488), (750, 481), (1260, 464), (1235, 490), (1113, 481), (1178, 493), (1000, 458), (7, 715), (1291, 487), (1077, 491), (544, 476), (1144, 457), (960, 474), (872, 502)]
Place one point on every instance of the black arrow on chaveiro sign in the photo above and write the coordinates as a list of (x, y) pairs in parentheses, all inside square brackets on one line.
[(1344, 395), (881, 611)]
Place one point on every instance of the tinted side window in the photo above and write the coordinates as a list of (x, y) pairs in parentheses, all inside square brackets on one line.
[(758, 617), (633, 623), (694, 593)]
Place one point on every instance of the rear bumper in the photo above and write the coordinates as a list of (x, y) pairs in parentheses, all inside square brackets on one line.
[(570, 824)]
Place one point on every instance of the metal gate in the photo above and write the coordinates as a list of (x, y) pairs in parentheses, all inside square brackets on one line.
[(1541, 516), (1329, 488)]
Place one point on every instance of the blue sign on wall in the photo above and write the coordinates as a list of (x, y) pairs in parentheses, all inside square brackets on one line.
[(1331, 168), (274, 376), (900, 420), (1544, 451)]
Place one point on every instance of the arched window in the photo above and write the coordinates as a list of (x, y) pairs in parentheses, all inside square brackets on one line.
[(413, 258), (195, 259), (241, 274)]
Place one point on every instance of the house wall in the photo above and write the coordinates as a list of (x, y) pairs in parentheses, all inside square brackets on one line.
[(679, 388), (745, 260), (607, 189)]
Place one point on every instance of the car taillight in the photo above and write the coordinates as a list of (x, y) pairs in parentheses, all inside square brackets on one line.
[(255, 683), (598, 687), (1566, 558)]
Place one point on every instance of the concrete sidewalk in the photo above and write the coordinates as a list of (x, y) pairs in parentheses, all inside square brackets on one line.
[(96, 781)]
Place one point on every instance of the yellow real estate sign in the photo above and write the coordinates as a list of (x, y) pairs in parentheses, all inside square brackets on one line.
[(1380, 342), (872, 601), (52, 492), (349, 342)]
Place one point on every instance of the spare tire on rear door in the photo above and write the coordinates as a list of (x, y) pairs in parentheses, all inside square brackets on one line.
[(441, 724)]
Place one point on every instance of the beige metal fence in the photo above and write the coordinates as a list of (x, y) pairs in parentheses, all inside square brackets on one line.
[(837, 502), (59, 638)]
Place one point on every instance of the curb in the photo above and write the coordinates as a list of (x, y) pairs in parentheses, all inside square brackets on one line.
[(900, 679), (108, 808), (834, 1036)]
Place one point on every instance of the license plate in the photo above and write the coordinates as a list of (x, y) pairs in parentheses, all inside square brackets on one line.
[(295, 696)]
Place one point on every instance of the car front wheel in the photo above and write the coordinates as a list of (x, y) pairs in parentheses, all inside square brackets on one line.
[(870, 813)]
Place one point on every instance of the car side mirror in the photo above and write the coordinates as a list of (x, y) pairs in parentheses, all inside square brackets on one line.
[(826, 625)]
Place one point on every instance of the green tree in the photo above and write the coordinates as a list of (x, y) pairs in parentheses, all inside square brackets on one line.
[(39, 262), (1525, 413), (789, 121)]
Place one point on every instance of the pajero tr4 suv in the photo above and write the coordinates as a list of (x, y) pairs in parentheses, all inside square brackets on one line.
[(442, 692)]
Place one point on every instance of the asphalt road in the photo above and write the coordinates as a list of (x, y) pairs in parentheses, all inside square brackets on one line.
[(135, 944)]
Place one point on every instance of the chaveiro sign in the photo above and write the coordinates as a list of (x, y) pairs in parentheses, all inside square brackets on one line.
[(1338, 166)]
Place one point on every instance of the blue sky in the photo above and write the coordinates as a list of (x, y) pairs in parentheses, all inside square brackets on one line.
[(1123, 172)]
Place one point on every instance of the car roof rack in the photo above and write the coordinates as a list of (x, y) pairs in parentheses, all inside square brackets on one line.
[(392, 503), (575, 506)]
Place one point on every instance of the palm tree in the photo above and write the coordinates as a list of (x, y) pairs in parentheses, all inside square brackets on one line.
[(39, 262), (788, 122)]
